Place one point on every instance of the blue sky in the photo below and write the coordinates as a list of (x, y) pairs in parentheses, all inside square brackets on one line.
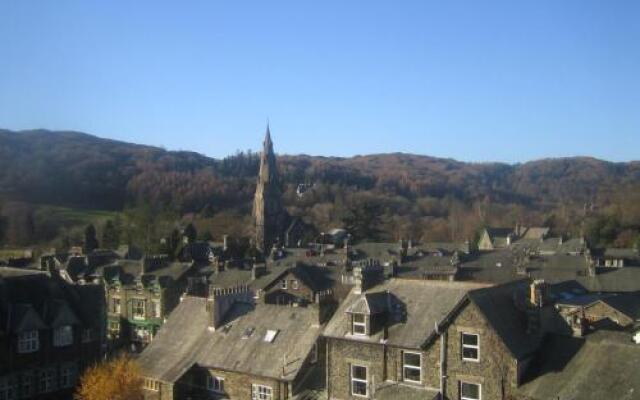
[(475, 80)]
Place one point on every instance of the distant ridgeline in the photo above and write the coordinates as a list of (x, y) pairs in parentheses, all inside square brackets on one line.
[(414, 196)]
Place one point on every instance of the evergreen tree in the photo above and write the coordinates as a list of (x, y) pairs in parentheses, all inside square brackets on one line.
[(363, 222), (90, 240), (110, 236), (191, 233)]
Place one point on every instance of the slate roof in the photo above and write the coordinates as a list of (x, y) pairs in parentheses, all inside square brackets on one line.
[(497, 305), (536, 232), (32, 299), (602, 366), (626, 279), (418, 311), (501, 266), (184, 341)]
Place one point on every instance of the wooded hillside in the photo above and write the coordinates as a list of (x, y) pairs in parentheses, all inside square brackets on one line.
[(414, 196)]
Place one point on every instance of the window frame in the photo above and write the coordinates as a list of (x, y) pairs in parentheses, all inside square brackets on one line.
[(213, 381), (294, 284), (138, 305), (362, 324), (156, 308), (475, 347), (353, 379), (63, 336), (67, 372), (462, 397), (116, 305), (284, 284), (28, 341), (261, 392), (405, 366)]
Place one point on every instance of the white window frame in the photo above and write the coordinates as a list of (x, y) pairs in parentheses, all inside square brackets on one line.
[(134, 307), (215, 384), (464, 346), (8, 388), (47, 380), (362, 324), (63, 336), (283, 284), (359, 380), (28, 342), (156, 308), (67, 375), (117, 305), (294, 284), (27, 384), (470, 383), (261, 392), (406, 366), (152, 384)]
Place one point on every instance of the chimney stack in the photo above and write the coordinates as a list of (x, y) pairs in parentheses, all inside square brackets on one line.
[(220, 302)]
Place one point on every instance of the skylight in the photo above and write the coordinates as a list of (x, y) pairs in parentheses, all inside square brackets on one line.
[(270, 335)]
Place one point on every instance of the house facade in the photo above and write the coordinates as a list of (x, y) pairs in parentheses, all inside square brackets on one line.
[(50, 331)]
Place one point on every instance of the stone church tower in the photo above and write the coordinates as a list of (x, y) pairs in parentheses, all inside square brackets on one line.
[(269, 214)]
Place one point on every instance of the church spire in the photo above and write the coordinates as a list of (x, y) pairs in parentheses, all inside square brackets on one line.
[(268, 212)]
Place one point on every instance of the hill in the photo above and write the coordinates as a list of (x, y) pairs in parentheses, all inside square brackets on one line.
[(415, 195)]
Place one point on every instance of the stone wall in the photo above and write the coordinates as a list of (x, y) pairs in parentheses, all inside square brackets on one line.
[(384, 364), (496, 370)]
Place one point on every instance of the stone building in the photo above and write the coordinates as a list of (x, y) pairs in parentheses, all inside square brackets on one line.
[(50, 331), (416, 339), (140, 295), (226, 346), (269, 216)]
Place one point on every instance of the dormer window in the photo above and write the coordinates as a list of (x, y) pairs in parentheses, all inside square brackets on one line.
[(63, 336), (359, 324), (28, 342)]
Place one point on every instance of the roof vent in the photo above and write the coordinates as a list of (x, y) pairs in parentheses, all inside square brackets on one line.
[(248, 332)]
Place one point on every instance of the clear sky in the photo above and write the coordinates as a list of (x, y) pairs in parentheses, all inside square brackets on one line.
[(474, 80)]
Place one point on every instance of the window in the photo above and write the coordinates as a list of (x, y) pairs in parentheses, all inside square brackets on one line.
[(140, 334), (215, 384), (8, 388), (63, 336), (261, 392), (115, 305), (47, 380), (294, 284), (411, 367), (87, 335), (67, 375), (27, 385), (151, 384), (470, 347), (470, 391), (359, 386), (28, 342), (138, 308), (359, 324), (156, 311), (114, 327), (283, 284)]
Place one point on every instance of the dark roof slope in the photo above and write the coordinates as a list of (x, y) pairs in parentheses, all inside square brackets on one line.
[(499, 308), (604, 366)]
